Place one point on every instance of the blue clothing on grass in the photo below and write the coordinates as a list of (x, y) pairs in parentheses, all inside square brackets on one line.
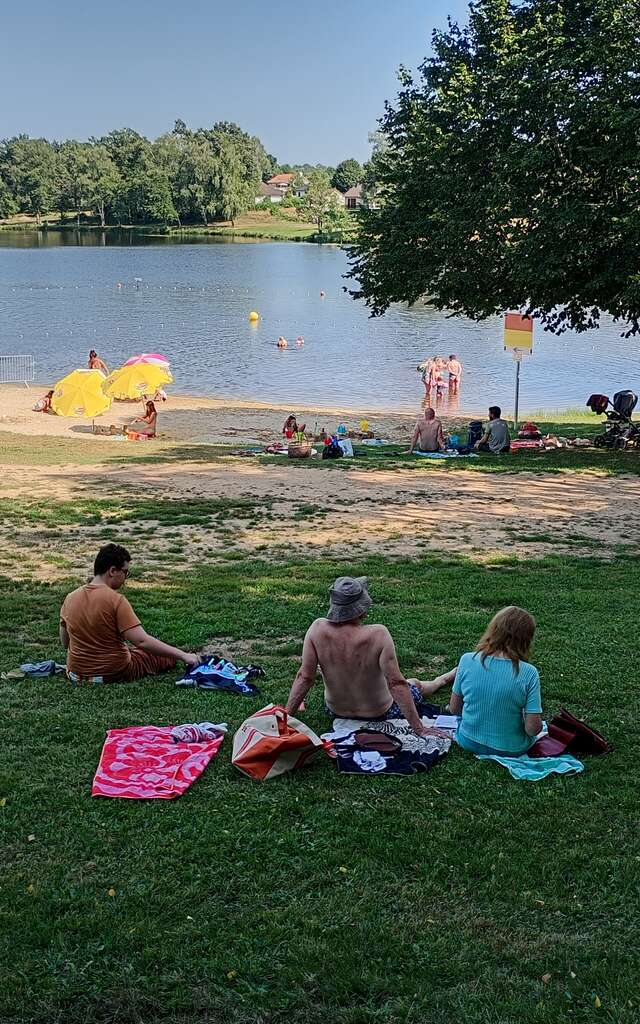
[(534, 768), (495, 697)]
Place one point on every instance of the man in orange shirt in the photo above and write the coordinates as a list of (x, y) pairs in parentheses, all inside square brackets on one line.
[(102, 634)]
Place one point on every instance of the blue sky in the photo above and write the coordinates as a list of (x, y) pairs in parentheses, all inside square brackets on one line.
[(310, 79)]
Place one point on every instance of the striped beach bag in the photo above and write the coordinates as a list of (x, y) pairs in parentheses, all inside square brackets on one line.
[(272, 742)]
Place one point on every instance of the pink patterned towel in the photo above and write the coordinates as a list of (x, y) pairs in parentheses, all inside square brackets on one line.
[(144, 763)]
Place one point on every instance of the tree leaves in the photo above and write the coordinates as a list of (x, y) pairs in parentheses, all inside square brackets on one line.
[(510, 172)]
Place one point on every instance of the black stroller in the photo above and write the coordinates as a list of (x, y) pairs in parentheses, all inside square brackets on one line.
[(620, 431)]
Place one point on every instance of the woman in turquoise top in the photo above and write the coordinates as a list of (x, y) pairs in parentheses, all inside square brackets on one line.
[(496, 691)]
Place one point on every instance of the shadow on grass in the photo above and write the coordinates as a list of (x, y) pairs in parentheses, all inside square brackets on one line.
[(301, 899)]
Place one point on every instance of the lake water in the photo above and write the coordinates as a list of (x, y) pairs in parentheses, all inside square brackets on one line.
[(59, 298)]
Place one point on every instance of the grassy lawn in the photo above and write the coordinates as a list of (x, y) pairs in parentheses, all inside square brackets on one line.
[(457, 896), (16, 449)]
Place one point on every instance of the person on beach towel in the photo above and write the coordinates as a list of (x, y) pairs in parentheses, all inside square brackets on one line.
[(103, 636), (428, 433), (497, 691), (359, 665)]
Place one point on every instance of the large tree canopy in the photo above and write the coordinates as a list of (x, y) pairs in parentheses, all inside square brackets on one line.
[(511, 174)]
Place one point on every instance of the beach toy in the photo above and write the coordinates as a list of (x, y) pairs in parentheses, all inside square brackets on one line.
[(253, 316), (80, 393), (341, 429), (364, 426)]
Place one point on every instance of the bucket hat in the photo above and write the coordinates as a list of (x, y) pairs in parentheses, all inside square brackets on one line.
[(349, 598)]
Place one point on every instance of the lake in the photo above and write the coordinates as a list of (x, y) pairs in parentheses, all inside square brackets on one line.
[(59, 298)]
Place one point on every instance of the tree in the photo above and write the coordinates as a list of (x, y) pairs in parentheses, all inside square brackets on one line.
[(512, 174), (346, 175), (320, 202), (31, 172)]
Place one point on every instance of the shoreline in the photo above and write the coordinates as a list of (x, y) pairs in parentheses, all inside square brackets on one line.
[(200, 419)]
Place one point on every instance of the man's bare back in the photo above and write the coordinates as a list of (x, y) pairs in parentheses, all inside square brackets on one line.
[(354, 660)]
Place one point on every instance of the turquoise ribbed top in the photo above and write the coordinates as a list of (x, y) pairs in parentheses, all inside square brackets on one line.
[(495, 698)]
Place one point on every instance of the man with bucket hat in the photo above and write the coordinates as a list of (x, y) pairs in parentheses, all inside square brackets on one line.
[(359, 665)]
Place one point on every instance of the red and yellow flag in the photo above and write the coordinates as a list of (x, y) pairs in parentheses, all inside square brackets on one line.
[(518, 332)]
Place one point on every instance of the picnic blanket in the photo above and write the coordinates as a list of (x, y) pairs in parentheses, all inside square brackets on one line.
[(534, 768), (417, 753), (446, 455), (145, 763)]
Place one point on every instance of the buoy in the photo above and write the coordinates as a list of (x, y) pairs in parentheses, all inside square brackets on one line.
[(299, 341), (253, 316)]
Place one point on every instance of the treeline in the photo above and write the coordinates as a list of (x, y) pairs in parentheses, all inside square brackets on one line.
[(123, 178), (182, 177)]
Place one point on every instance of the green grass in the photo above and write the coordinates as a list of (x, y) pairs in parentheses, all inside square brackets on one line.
[(462, 888), (16, 449)]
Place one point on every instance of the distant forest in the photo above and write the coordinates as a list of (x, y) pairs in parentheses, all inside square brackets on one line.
[(182, 177)]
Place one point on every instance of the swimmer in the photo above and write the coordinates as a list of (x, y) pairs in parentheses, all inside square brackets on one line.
[(282, 342), (119, 284), (455, 368), (322, 295), (299, 341)]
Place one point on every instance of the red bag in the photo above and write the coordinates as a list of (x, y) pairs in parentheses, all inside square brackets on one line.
[(567, 734)]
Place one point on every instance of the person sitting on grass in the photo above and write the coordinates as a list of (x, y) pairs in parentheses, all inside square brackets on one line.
[(362, 678), (102, 634), (496, 433), (497, 691), (428, 431)]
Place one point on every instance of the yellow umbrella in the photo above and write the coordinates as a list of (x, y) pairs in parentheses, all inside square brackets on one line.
[(80, 393), (137, 380)]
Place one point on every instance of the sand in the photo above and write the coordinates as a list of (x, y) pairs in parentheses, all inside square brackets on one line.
[(186, 419)]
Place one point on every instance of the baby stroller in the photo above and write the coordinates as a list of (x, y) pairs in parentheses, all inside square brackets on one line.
[(620, 431)]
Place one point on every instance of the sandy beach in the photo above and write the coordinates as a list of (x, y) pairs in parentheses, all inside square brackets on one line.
[(201, 420)]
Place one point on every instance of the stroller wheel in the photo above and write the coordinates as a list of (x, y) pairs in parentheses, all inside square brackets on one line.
[(620, 444)]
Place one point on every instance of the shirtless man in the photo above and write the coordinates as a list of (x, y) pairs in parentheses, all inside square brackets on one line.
[(428, 430), (362, 678), (455, 368)]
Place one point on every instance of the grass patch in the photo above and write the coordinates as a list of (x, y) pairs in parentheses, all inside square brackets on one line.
[(461, 888)]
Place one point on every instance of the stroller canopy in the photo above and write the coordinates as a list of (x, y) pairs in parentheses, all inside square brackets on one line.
[(624, 402)]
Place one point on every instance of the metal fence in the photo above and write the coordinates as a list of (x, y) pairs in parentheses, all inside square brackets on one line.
[(17, 370)]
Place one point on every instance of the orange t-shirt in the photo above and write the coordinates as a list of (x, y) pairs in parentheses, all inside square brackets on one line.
[(95, 617)]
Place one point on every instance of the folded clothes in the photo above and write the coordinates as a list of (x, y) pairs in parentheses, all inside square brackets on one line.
[(198, 732), (217, 673), (413, 753), (42, 670)]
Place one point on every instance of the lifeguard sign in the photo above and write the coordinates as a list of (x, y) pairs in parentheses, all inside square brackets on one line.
[(518, 339), (518, 333)]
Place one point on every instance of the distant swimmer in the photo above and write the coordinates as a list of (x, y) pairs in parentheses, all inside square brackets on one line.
[(282, 342), (322, 295), (299, 341)]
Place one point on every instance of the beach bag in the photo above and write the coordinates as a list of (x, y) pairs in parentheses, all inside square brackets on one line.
[(475, 432), (567, 734), (272, 742), (332, 450)]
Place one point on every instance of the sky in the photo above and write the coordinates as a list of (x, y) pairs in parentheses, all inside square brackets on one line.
[(310, 79)]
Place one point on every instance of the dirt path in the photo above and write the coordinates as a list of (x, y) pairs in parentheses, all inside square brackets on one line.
[(300, 510)]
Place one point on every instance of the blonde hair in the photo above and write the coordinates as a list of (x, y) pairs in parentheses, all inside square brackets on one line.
[(510, 632)]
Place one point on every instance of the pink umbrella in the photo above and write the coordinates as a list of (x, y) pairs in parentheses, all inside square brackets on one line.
[(147, 357)]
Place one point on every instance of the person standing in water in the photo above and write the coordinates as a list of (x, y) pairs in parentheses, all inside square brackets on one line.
[(96, 363), (455, 368)]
